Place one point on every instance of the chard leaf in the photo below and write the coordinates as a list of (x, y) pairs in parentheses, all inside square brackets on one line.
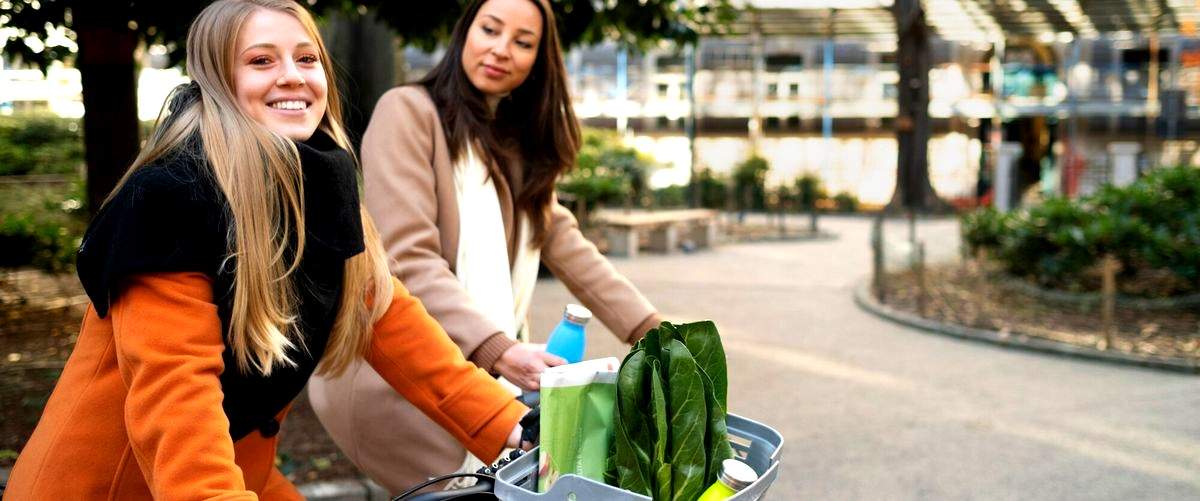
[(689, 422), (662, 489), (660, 462), (633, 439), (704, 342), (716, 437), (658, 411)]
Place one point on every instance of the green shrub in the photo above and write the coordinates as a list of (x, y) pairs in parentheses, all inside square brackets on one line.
[(714, 189), (675, 195), (749, 182), (1049, 244), (1152, 227), (984, 229), (606, 171), (809, 191), (846, 202), (41, 226), (40, 145)]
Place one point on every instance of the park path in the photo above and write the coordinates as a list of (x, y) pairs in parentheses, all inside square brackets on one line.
[(873, 410)]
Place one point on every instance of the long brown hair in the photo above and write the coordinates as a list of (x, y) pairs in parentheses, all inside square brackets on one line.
[(258, 172), (533, 129)]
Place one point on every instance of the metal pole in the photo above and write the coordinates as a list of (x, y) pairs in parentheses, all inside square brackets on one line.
[(827, 77), (689, 124), (756, 49), (1068, 175), (877, 280), (1173, 122), (997, 133), (622, 90), (1152, 89)]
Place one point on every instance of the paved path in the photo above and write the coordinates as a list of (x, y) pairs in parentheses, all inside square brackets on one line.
[(872, 410)]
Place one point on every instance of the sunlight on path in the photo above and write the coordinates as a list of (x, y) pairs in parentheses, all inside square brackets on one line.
[(1170, 457)]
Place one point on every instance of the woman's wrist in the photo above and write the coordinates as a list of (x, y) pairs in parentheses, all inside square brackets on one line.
[(490, 350)]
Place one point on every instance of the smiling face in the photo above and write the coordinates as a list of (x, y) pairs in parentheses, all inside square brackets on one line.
[(278, 76), (502, 46)]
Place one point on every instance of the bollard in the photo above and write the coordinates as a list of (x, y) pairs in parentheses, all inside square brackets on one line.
[(877, 251), (918, 265), (1109, 300), (782, 211)]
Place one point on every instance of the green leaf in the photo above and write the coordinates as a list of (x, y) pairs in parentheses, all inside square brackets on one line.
[(632, 437), (689, 420), (662, 484), (658, 415), (704, 343), (716, 436)]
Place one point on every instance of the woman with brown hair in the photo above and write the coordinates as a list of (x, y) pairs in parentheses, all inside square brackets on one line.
[(232, 262), (459, 173)]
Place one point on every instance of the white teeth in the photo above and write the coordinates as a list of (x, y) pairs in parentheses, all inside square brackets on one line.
[(289, 105)]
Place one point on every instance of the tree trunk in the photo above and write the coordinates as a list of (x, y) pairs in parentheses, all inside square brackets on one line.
[(364, 49), (107, 72), (913, 189)]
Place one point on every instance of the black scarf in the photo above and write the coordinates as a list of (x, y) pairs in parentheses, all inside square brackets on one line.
[(171, 217)]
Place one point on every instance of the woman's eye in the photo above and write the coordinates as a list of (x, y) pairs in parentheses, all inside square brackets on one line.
[(260, 60), (524, 45), (308, 59), (487, 29)]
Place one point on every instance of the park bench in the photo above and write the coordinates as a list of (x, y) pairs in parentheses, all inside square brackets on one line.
[(664, 228)]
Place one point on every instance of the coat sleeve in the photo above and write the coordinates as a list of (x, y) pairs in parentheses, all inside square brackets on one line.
[(168, 345), (401, 193), (412, 353), (590, 277)]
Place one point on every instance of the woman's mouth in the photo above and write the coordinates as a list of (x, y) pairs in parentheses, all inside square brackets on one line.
[(289, 105), (494, 72)]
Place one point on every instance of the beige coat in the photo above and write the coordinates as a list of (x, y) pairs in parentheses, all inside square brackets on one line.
[(409, 191)]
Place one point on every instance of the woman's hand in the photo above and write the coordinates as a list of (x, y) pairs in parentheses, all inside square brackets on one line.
[(523, 364), (525, 435)]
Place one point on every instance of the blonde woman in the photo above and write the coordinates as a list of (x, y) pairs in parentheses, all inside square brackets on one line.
[(231, 263), (459, 172)]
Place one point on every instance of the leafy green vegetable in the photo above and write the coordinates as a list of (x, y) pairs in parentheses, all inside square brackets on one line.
[(658, 412), (716, 441), (689, 421), (631, 457), (703, 341), (670, 434)]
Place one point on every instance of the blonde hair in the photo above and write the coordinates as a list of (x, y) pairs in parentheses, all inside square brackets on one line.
[(258, 171)]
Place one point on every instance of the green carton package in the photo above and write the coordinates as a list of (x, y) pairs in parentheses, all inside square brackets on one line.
[(577, 420)]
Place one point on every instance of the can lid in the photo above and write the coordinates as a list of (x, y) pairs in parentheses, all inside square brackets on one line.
[(737, 475), (577, 314)]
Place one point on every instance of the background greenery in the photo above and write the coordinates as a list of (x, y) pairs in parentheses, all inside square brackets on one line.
[(1151, 227), (40, 145), (607, 172)]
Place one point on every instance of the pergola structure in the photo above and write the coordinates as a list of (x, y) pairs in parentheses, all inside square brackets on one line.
[(912, 24), (971, 20)]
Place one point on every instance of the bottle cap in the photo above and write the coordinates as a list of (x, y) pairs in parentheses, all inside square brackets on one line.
[(577, 314), (737, 475)]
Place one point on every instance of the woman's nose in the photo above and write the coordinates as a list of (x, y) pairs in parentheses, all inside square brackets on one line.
[(291, 76), (500, 48)]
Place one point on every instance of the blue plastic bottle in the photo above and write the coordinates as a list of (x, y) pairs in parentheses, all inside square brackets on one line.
[(567, 340)]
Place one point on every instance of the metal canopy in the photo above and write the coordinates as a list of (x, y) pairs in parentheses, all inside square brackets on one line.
[(972, 20)]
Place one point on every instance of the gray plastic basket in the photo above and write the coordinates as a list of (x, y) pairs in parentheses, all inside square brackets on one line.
[(756, 444)]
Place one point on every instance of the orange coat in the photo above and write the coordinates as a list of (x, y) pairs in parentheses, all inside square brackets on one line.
[(137, 411)]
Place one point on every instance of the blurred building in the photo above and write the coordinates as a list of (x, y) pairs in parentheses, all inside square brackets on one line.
[(811, 85), (1070, 93)]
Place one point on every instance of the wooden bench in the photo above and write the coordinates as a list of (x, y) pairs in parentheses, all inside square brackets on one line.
[(624, 229)]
